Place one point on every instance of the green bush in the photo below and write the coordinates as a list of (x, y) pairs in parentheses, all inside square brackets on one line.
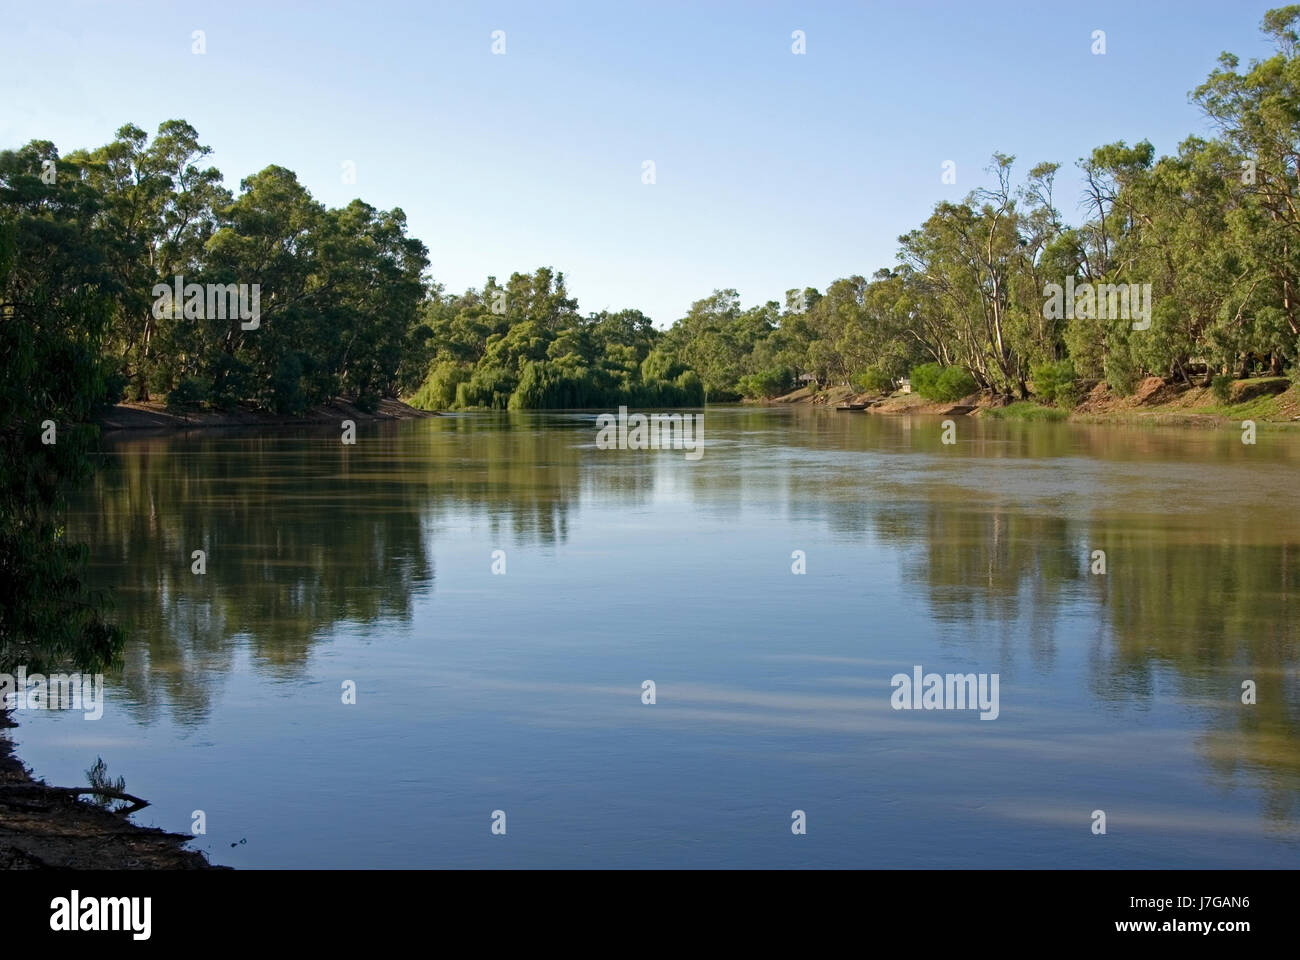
[(232, 382), (691, 389), (1055, 382), (489, 387), (659, 365), (955, 383), (438, 391), (942, 383), (1121, 375), (115, 384), (1222, 387), (551, 385), (189, 394), (765, 383), (284, 393), (925, 379), (873, 380)]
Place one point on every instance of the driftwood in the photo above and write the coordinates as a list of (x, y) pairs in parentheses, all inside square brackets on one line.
[(136, 802)]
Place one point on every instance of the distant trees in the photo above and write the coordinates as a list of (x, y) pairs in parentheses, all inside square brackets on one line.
[(1207, 237), (525, 346), (1212, 230)]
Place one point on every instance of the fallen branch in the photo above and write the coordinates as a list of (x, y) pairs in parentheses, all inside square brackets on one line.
[(136, 802)]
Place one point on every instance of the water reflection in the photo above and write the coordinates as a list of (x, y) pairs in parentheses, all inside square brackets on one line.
[(993, 537)]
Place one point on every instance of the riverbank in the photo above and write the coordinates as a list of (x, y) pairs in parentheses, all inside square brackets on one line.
[(50, 828), (1270, 400), (156, 417)]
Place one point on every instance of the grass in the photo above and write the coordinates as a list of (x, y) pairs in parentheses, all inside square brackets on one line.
[(1258, 408), (1026, 410)]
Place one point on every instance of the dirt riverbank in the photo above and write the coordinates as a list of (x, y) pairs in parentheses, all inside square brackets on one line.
[(156, 417), (1263, 400), (54, 828)]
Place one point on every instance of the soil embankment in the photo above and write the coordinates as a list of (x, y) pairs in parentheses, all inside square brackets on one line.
[(1155, 401), (156, 417), (45, 827)]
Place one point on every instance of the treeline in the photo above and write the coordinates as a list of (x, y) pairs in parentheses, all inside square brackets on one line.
[(87, 240), (525, 346), (339, 289), (1213, 230), (1205, 242)]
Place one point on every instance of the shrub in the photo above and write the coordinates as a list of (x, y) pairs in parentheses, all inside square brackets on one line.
[(489, 387), (942, 383), (1055, 383), (438, 391), (955, 383), (232, 381), (925, 379), (873, 380), (1121, 376), (189, 394), (765, 383), (1222, 387), (115, 384), (284, 392), (691, 387), (659, 365)]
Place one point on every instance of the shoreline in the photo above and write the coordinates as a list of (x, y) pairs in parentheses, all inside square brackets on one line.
[(1154, 403), (43, 827), (156, 418)]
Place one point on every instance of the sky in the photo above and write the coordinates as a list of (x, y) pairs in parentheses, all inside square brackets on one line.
[(772, 170)]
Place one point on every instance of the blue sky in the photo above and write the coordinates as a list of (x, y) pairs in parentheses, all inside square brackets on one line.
[(772, 170)]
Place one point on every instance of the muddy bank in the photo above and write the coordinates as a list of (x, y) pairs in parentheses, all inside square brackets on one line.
[(155, 417), (835, 397), (47, 827), (1155, 401)]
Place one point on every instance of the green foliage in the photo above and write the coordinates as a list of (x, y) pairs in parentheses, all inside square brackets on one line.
[(1027, 410), (340, 289), (691, 388), (873, 379), (187, 395), (438, 391), (100, 781), (925, 379), (1222, 387), (56, 302), (942, 383), (1121, 375), (524, 346), (955, 383), (488, 388), (231, 380), (1055, 382), (285, 393), (764, 384)]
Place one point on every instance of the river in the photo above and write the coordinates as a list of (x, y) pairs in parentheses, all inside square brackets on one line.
[(521, 690)]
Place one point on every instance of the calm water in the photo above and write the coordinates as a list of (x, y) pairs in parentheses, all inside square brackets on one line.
[(479, 692)]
